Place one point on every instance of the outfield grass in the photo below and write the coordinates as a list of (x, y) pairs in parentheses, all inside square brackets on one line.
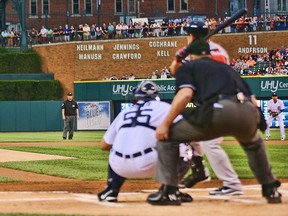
[(90, 162), (83, 136)]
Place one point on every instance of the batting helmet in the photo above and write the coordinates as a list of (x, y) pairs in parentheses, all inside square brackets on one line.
[(146, 90), (197, 28)]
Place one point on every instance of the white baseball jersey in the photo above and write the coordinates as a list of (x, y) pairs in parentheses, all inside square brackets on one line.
[(133, 139), (275, 107)]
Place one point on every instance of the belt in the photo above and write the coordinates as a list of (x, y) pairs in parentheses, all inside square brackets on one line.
[(232, 98), (135, 155)]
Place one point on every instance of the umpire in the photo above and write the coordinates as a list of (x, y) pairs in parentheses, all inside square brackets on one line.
[(69, 114), (226, 107)]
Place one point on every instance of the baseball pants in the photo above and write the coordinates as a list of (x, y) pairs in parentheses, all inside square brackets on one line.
[(69, 126), (278, 118), (219, 162)]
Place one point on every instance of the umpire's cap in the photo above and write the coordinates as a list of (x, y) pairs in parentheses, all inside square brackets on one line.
[(199, 47), (197, 28), (146, 90)]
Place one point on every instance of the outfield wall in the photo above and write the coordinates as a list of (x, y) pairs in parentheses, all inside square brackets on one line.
[(46, 115), (30, 116), (118, 90)]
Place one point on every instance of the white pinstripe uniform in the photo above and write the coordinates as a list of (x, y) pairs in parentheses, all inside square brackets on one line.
[(275, 106), (216, 156)]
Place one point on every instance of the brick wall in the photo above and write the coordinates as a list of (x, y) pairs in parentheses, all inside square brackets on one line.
[(148, 8), (67, 61)]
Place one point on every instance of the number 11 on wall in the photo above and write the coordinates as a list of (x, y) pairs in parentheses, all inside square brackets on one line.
[(252, 38)]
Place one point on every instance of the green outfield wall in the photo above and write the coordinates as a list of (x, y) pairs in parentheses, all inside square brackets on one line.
[(262, 87), (46, 115), (30, 116)]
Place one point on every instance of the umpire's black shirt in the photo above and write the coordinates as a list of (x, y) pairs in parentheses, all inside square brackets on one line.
[(70, 107), (209, 78)]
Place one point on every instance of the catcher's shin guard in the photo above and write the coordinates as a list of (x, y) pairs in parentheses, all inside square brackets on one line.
[(199, 173), (184, 166)]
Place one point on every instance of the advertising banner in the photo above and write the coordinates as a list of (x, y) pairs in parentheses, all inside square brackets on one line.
[(262, 87), (94, 115)]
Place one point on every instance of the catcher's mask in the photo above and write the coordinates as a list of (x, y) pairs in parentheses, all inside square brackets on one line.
[(146, 90)]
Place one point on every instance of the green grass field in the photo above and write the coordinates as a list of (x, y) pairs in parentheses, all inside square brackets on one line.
[(83, 136), (90, 162)]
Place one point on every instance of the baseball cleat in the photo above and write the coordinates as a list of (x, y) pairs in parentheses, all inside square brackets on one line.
[(165, 197), (224, 191), (267, 137), (185, 197), (282, 138), (108, 196), (269, 191)]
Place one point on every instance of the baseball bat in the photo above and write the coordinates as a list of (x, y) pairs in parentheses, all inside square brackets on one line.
[(236, 16)]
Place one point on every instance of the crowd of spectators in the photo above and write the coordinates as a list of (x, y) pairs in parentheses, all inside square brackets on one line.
[(275, 62), (113, 30), (10, 38), (164, 73)]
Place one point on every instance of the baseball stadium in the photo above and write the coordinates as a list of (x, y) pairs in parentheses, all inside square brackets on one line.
[(51, 167)]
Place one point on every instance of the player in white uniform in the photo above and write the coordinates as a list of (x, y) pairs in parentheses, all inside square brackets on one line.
[(131, 140), (216, 156), (275, 108)]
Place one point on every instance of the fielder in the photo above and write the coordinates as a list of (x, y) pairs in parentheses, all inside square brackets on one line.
[(132, 142), (275, 108), (216, 156)]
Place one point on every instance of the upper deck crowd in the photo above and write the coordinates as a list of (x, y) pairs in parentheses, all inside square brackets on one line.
[(113, 30), (275, 62)]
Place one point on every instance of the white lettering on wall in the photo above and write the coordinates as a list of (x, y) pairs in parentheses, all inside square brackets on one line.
[(162, 53), (252, 50), (89, 47), (126, 47), (90, 56), (273, 86), (122, 56), (163, 44)]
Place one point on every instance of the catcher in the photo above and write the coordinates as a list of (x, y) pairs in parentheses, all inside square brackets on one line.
[(132, 142)]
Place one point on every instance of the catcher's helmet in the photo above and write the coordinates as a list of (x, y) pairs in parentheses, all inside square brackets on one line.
[(145, 90), (197, 28)]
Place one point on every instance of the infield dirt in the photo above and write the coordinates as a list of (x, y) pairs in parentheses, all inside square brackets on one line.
[(42, 194)]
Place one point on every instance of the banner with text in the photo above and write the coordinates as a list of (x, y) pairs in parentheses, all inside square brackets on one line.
[(94, 115), (262, 87)]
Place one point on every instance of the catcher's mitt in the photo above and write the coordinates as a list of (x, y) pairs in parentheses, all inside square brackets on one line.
[(274, 114)]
